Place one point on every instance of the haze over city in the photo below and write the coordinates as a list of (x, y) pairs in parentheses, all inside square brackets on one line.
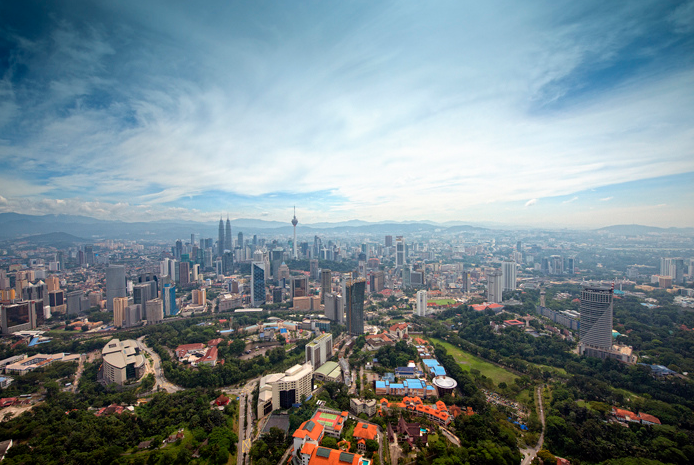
[(567, 114)]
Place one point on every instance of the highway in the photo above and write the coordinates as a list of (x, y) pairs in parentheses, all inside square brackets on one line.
[(246, 411)]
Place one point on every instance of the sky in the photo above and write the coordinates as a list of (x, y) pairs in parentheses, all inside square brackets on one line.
[(538, 113)]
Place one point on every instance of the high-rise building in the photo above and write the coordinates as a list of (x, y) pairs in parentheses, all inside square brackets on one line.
[(508, 271), (333, 308), (466, 281), (399, 252), (299, 286), (354, 298), (571, 265), (389, 241), (294, 223), (169, 299), (154, 311), (319, 350), (422, 303), (240, 239), (184, 273), (674, 268), (326, 284), (142, 293), (313, 268), (17, 316), (115, 284), (257, 283), (495, 286), (556, 264), (220, 238), (227, 236), (120, 304), (596, 325)]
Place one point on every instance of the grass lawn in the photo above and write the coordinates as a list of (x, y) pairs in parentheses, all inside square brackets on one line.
[(525, 396), (442, 301), (468, 361)]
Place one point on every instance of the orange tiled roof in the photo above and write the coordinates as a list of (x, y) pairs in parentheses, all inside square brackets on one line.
[(309, 428), (325, 456), (649, 418), (365, 431)]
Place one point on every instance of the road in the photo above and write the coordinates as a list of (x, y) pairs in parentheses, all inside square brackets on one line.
[(530, 453), (246, 411), (159, 381)]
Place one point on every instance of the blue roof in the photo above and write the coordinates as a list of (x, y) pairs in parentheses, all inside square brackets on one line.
[(430, 388), (414, 384), (283, 331), (404, 370), (380, 384), (397, 386), (430, 362), (226, 331), (439, 371)]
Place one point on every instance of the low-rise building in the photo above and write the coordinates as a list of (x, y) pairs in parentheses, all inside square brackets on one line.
[(367, 406), (438, 412), (399, 331), (333, 421), (364, 432), (26, 365), (329, 371), (122, 361)]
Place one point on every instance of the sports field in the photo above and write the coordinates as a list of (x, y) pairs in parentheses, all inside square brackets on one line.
[(325, 418), (468, 361), (442, 301)]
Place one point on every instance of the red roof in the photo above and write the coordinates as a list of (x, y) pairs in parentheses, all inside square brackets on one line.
[(215, 342), (210, 356), (365, 431), (312, 429), (185, 348), (648, 418), (325, 456)]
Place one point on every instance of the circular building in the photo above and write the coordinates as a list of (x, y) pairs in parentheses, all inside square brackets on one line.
[(445, 385)]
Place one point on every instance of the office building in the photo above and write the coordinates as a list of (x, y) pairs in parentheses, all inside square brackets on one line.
[(421, 303), (333, 309), (389, 241), (115, 284), (142, 292), (220, 238), (674, 268), (120, 304), (283, 390), (299, 286), (76, 302), (122, 361), (319, 350), (354, 299), (183, 273), (571, 265), (326, 283), (155, 311), (596, 317), (257, 283), (495, 286), (508, 272), (313, 267), (169, 299), (399, 252), (17, 316), (227, 236)]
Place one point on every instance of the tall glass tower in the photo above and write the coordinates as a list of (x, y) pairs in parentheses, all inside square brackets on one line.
[(354, 298), (257, 283), (220, 239), (596, 317)]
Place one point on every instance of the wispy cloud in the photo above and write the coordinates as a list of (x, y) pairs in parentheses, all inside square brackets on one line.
[(394, 118), (606, 199)]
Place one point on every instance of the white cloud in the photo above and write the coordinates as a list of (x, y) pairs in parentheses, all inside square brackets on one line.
[(530, 202), (606, 199), (571, 200)]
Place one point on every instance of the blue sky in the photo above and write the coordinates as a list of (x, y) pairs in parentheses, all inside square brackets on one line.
[(576, 114)]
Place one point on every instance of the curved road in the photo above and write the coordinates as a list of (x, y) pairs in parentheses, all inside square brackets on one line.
[(530, 453), (159, 381)]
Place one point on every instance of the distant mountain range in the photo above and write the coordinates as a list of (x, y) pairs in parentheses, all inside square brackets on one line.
[(639, 230), (86, 229)]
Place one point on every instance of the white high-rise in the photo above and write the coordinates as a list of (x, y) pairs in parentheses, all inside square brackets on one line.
[(422, 303), (508, 272), (399, 252), (495, 286)]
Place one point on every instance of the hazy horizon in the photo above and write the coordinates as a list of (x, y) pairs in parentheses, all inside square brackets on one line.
[(566, 114)]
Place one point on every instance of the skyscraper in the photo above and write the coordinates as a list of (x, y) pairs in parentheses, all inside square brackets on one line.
[(169, 298), (399, 252), (257, 283), (422, 303), (240, 240), (115, 284), (495, 286), (220, 239), (354, 297), (119, 306), (326, 284), (294, 223), (389, 241), (596, 321), (673, 267), (227, 236), (508, 271)]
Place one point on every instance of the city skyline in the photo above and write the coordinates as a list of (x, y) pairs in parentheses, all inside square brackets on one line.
[(562, 115)]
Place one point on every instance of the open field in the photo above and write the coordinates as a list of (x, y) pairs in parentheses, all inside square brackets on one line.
[(442, 301), (468, 361)]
